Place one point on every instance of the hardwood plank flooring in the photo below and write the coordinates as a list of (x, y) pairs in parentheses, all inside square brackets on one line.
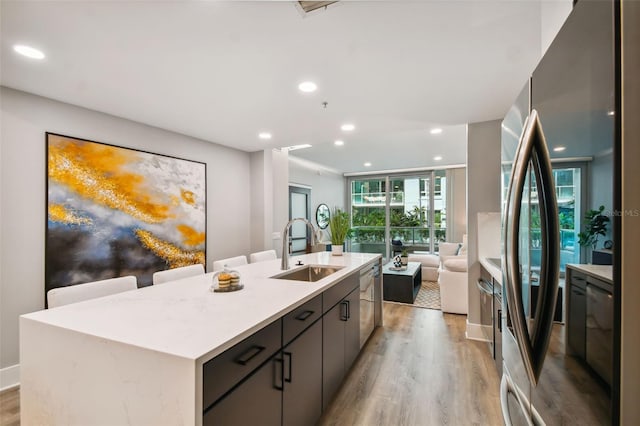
[(10, 407), (419, 369)]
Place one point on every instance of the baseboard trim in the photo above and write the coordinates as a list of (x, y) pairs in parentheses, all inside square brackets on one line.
[(474, 332), (9, 377)]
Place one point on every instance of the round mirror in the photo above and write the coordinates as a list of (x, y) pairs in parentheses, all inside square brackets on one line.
[(322, 216)]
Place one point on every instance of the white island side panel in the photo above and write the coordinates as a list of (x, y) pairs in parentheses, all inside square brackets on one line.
[(108, 383)]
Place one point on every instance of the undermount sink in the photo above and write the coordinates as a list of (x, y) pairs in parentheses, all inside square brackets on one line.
[(309, 273)]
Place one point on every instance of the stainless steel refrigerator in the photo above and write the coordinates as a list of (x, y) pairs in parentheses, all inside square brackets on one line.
[(567, 121)]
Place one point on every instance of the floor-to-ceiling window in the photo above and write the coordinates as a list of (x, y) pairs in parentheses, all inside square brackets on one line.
[(399, 211)]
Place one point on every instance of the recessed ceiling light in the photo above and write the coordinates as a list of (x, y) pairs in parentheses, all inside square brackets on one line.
[(264, 135), (367, 164), (294, 147), (307, 86), (559, 148), (348, 127), (435, 131), (437, 157), (28, 51), (338, 143)]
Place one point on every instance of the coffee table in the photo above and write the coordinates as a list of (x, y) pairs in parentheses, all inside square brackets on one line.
[(402, 286)]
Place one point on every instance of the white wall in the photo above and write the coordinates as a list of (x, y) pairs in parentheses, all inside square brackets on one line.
[(261, 191), (457, 196), (483, 195), (552, 16), (25, 119), (269, 199), (327, 186)]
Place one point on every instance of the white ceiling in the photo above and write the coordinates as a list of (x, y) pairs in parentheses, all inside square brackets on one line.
[(224, 71)]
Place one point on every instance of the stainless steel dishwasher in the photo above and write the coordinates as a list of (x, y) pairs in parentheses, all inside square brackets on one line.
[(367, 299), (599, 334)]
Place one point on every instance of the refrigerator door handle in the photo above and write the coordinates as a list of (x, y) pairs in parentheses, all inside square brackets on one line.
[(532, 150)]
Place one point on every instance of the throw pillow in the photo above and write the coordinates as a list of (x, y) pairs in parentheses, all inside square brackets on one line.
[(448, 249), (463, 246)]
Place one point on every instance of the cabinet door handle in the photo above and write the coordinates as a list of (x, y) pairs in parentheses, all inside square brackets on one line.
[(303, 316), (344, 311), (249, 354), (287, 378), (278, 384), (500, 320)]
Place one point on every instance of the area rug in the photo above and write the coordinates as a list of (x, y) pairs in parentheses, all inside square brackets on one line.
[(428, 296)]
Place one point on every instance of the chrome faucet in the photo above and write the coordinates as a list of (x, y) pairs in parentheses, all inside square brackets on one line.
[(285, 240)]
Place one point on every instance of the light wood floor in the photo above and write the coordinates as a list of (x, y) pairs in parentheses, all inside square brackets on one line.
[(419, 369), (10, 407)]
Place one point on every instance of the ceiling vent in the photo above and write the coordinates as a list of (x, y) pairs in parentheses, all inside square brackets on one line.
[(310, 6)]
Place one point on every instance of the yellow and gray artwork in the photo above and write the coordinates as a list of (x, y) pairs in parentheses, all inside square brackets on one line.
[(114, 211)]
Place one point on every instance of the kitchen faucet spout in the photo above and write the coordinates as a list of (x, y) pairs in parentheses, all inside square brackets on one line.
[(285, 240)]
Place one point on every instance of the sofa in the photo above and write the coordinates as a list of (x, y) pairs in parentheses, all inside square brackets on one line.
[(449, 269), (453, 281), (432, 263)]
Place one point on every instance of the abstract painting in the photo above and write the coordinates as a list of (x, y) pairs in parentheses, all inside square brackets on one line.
[(114, 211)]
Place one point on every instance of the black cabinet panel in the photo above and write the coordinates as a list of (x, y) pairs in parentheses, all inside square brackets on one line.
[(577, 321), (302, 397), (299, 319), (333, 347), (257, 401), (352, 329), (339, 291), (224, 371)]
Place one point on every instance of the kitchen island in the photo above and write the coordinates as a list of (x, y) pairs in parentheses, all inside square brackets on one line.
[(138, 357)]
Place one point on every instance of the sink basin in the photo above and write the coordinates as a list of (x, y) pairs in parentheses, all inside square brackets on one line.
[(309, 273)]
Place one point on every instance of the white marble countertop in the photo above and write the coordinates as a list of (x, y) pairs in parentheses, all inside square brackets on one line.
[(495, 272), (185, 319), (604, 272)]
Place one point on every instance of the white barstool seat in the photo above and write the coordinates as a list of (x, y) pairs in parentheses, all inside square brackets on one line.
[(230, 262), (177, 273), (79, 292), (262, 256)]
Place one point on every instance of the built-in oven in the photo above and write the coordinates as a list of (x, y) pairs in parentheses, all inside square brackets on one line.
[(485, 285)]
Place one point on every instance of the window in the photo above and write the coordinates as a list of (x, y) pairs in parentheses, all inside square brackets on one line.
[(411, 212)]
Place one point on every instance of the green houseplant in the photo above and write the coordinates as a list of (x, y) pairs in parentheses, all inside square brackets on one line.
[(594, 226), (405, 257), (340, 229)]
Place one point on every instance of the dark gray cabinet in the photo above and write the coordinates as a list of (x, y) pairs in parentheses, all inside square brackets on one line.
[(302, 378), (255, 401), (229, 368), (340, 341), (577, 317), (352, 329), (286, 373)]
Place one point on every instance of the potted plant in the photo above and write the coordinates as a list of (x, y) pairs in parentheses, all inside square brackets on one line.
[(405, 257), (595, 225), (340, 229)]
